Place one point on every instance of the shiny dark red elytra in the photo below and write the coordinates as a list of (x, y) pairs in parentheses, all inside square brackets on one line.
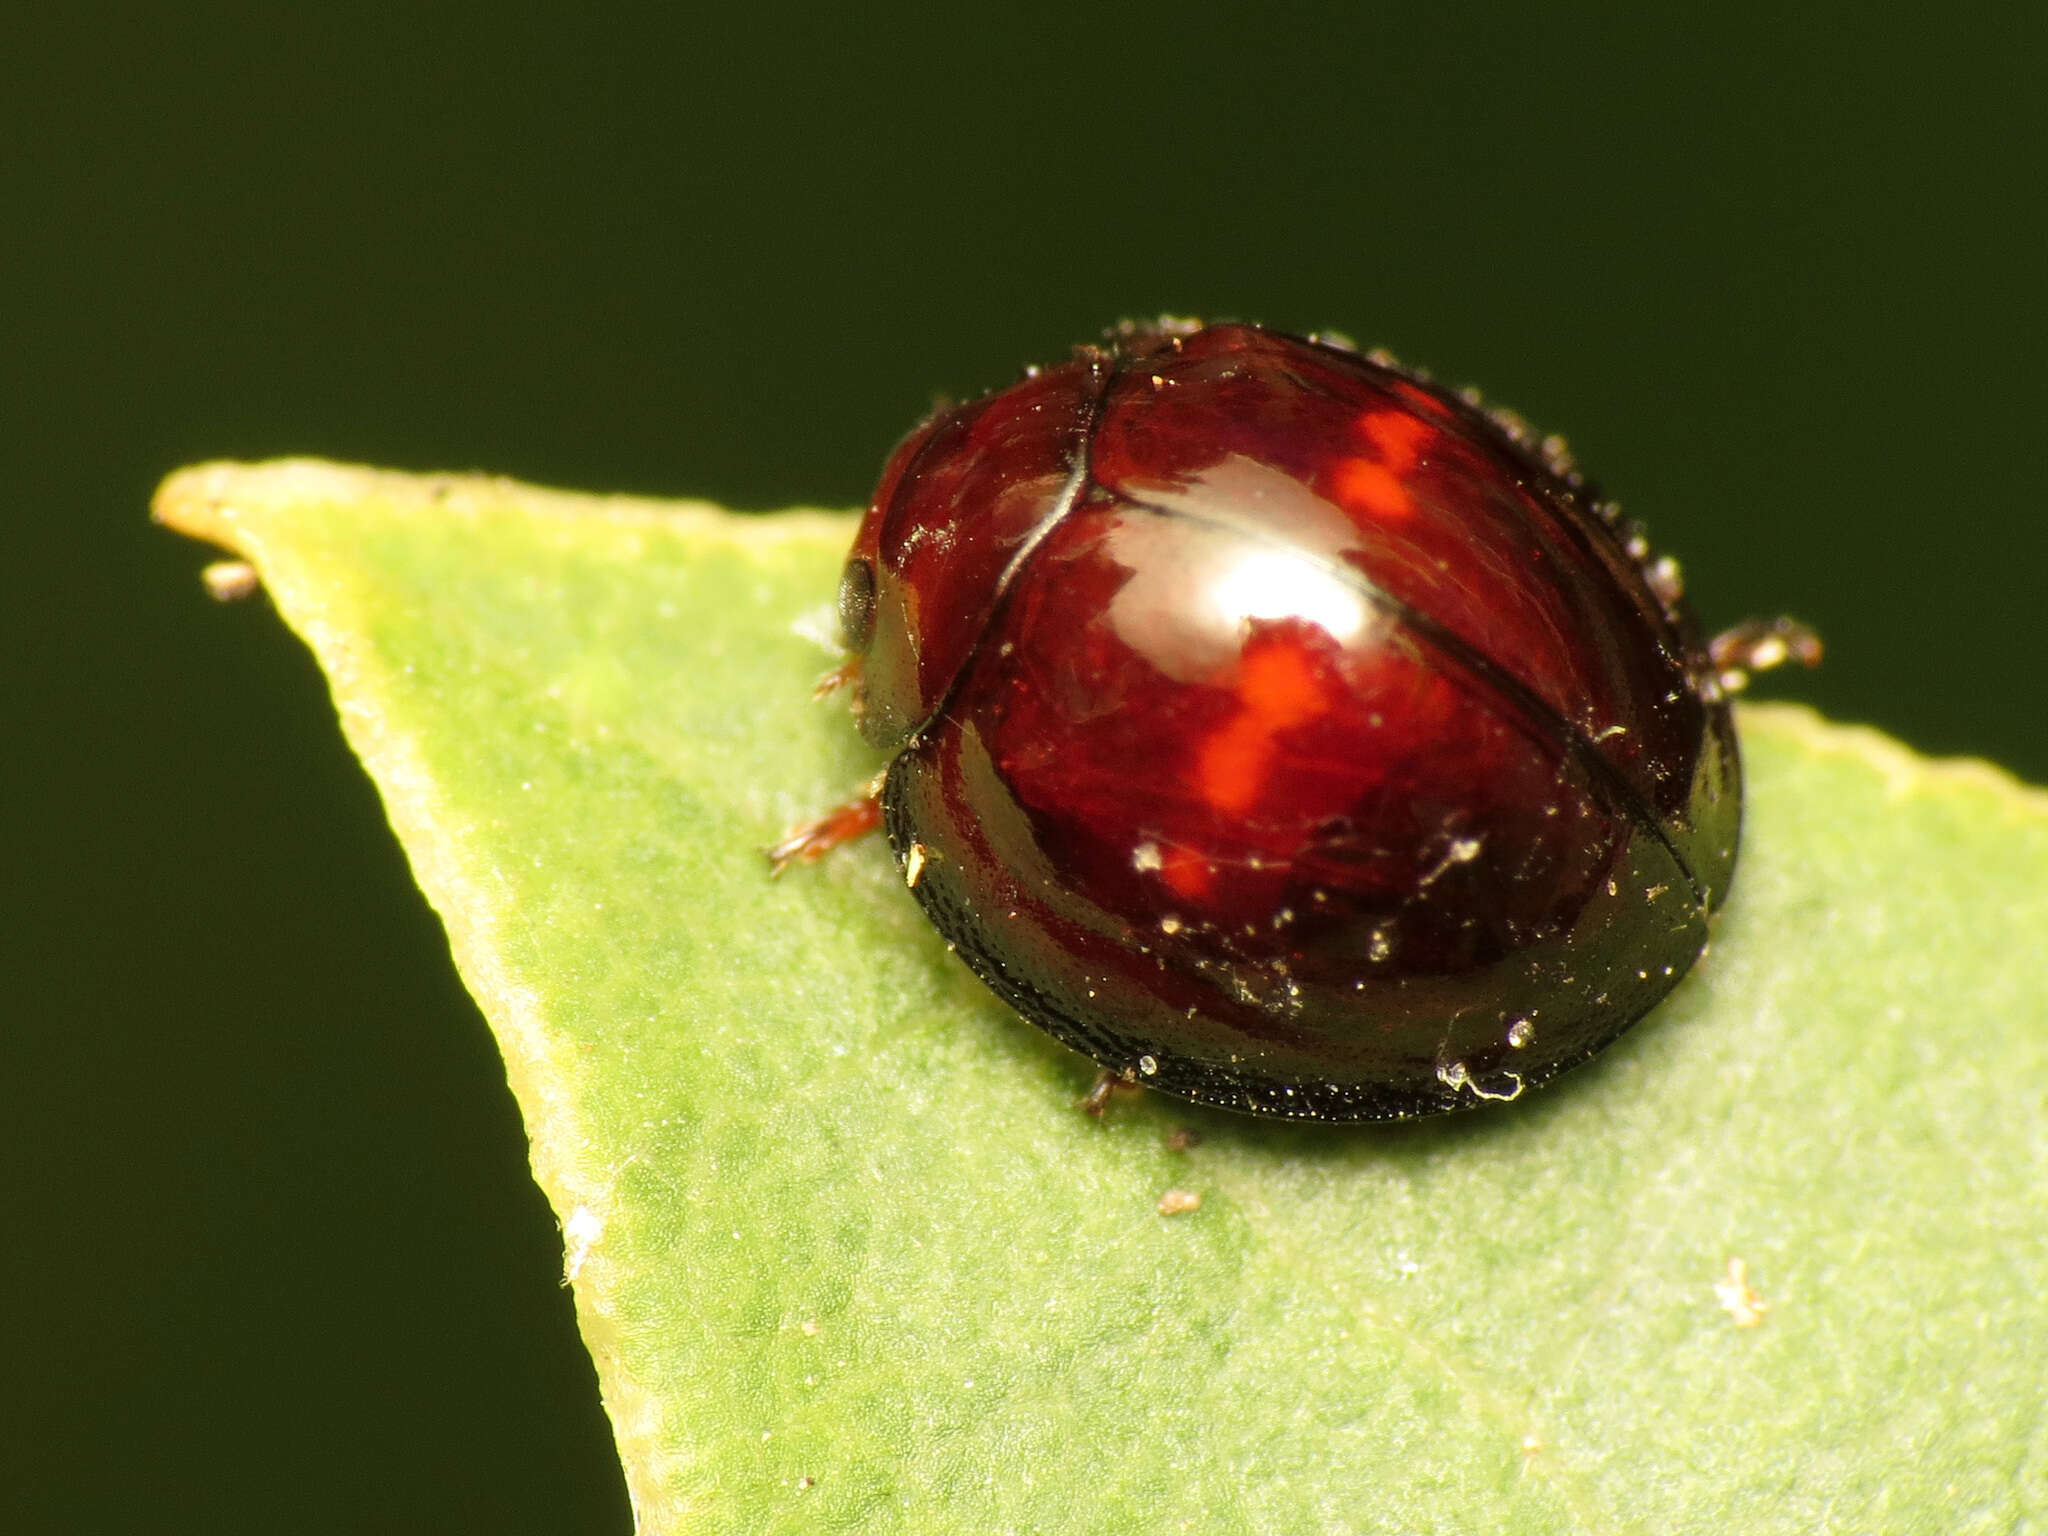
[(1284, 731)]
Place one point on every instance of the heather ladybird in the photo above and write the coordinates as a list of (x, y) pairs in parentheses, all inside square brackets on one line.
[(1285, 731)]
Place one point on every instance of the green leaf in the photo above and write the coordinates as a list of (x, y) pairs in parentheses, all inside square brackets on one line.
[(849, 1260)]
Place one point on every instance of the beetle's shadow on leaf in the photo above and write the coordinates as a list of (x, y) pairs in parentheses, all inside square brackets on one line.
[(1579, 1092)]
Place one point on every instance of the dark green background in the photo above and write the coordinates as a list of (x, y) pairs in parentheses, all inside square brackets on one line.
[(271, 1255)]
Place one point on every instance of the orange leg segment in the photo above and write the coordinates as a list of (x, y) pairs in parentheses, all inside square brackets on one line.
[(842, 824), (1760, 644)]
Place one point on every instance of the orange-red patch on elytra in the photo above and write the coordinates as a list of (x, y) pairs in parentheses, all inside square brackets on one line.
[(1277, 681), (1397, 437), (1364, 485), (1233, 765), (1419, 398), (1279, 688), (1187, 872)]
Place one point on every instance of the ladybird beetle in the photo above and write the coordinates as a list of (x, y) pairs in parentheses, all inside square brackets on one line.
[(1287, 732)]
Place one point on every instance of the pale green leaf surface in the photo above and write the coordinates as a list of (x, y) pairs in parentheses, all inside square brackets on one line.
[(849, 1260)]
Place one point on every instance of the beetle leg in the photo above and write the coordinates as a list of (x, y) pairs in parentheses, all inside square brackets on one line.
[(1757, 645), (1095, 1102), (811, 841), (848, 671)]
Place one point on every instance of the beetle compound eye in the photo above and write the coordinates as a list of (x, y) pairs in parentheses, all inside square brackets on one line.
[(857, 605)]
